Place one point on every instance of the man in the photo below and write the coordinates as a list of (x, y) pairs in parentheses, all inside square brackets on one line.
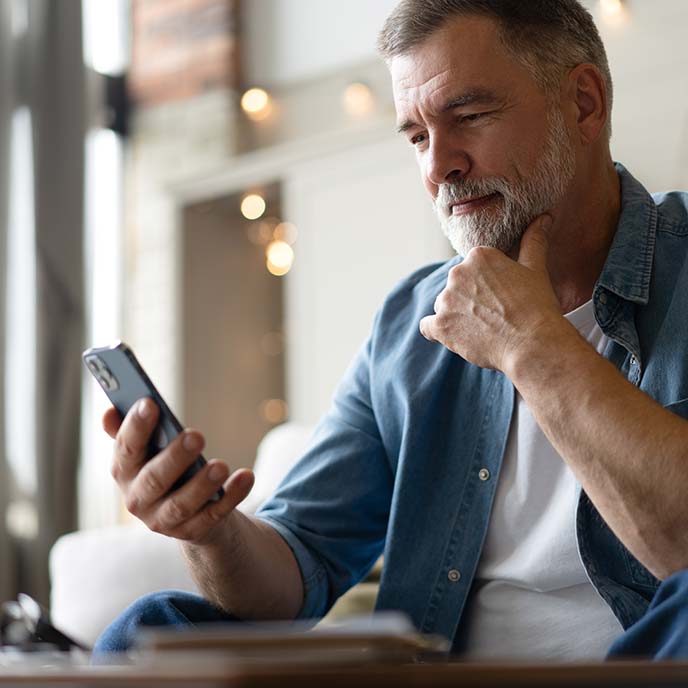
[(542, 355)]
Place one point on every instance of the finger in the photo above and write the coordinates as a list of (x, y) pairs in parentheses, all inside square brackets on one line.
[(155, 479), (444, 298), (181, 505), (427, 327), (535, 243), (237, 488), (111, 421), (131, 441), (239, 485)]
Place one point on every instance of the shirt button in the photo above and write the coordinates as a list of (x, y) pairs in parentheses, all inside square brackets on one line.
[(484, 474), (634, 361), (454, 576), (603, 298)]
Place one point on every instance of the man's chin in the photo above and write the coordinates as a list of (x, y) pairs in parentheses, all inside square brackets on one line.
[(462, 244)]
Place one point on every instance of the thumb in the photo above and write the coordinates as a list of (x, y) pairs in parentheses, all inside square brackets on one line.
[(534, 244)]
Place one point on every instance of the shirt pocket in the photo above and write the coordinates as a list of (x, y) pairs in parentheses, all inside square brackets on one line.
[(680, 408)]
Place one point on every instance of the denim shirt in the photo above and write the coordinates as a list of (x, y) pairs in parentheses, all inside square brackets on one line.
[(396, 464)]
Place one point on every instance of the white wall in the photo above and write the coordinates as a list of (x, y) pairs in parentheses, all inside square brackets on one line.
[(291, 40), (648, 55)]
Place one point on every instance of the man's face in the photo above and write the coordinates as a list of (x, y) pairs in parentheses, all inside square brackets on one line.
[(493, 152)]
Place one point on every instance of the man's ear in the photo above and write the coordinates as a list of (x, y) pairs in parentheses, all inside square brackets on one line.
[(587, 90)]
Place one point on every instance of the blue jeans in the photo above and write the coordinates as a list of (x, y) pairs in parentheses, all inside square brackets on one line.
[(662, 633)]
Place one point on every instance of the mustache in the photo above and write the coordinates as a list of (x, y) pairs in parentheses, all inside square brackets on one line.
[(469, 188)]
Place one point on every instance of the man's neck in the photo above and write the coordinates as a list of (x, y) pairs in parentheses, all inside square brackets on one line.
[(583, 230)]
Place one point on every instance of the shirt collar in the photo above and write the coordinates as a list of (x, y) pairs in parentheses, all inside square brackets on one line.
[(628, 268)]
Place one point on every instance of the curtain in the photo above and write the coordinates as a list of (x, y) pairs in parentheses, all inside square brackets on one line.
[(48, 76), (58, 104), (7, 559)]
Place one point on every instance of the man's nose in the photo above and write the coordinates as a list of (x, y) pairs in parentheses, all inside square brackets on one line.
[(446, 162)]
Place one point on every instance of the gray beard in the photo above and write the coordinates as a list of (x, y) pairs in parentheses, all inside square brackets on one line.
[(502, 223)]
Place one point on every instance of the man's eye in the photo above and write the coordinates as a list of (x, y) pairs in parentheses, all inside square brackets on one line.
[(474, 117), (418, 138)]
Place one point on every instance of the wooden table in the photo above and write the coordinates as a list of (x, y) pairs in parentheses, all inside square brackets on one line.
[(212, 672)]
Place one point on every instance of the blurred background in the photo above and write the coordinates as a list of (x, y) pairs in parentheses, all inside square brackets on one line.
[(219, 184)]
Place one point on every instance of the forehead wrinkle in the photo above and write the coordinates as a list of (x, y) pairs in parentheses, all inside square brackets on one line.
[(426, 95), (471, 96)]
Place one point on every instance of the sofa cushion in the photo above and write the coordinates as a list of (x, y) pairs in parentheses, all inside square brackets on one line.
[(98, 573)]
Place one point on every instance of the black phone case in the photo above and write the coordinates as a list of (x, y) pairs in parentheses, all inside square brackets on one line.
[(133, 384)]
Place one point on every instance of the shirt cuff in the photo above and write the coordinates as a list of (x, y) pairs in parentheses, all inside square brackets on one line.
[(313, 574)]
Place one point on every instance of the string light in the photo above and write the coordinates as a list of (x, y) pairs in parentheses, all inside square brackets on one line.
[(611, 7), (285, 231), (358, 99), (614, 11), (253, 206), (260, 233), (279, 258), (274, 410), (257, 104)]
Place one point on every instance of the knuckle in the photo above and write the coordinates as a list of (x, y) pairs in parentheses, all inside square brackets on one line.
[(177, 511), (115, 470), (475, 255), (214, 515), (442, 301), (455, 271), (156, 525), (151, 483), (123, 447), (132, 503), (483, 253)]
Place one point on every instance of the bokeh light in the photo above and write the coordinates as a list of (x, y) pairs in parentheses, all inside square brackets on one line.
[(274, 410), (611, 6), (257, 104), (285, 231), (253, 206), (280, 258), (614, 12), (358, 99)]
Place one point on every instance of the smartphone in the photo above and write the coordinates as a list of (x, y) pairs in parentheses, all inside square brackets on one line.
[(124, 381)]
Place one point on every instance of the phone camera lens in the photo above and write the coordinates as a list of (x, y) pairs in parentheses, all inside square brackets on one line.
[(102, 373)]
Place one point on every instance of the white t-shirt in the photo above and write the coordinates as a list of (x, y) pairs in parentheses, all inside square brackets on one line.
[(531, 597)]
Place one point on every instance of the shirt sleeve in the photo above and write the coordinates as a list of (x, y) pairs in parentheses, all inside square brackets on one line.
[(333, 507)]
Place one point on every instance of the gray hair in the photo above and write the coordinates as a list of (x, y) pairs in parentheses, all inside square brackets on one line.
[(546, 36)]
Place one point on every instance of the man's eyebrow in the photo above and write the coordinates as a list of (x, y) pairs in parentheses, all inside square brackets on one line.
[(405, 126), (473, 97)]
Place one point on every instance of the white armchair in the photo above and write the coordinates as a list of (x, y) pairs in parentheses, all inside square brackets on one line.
[(95, 574)]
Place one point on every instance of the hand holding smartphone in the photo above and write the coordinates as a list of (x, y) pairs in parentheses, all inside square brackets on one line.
[(124, 381)]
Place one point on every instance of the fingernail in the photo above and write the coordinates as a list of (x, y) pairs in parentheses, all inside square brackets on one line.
[(191, 442), (217, 473), (144, 408)]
